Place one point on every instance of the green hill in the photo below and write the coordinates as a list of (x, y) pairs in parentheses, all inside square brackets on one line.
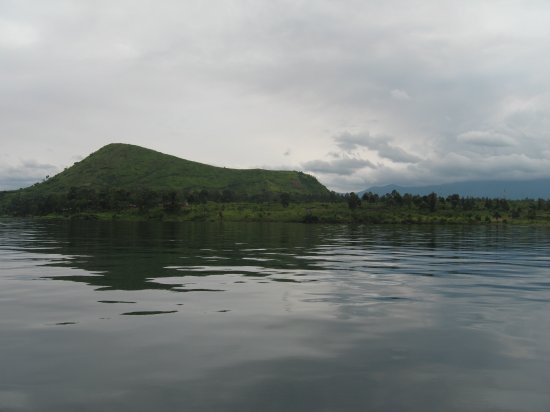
[(130, 167)]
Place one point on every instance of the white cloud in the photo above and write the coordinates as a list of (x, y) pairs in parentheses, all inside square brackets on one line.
[(399, 94), (16, 35), (343, 166)]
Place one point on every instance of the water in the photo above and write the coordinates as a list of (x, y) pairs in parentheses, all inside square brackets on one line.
[(273, 317)]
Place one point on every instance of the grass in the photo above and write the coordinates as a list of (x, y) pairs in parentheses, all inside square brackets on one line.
[(314, 212), (133, 167)]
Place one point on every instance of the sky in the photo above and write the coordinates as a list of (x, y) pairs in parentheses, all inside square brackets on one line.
[(357, 93)]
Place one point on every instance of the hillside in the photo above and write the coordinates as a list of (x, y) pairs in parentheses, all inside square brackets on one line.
[(129, 167), (509, 189)]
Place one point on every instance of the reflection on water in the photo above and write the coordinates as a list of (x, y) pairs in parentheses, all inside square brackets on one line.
[(149, 312), (273, 317)]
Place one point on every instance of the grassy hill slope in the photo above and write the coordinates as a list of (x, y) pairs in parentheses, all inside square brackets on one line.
[(133, 167)]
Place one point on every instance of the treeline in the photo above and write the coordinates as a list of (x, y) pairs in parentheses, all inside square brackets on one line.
[(204, 204), (434, 203), (89, 200)]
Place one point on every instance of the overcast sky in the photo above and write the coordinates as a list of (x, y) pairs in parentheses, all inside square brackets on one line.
[(357, 93)]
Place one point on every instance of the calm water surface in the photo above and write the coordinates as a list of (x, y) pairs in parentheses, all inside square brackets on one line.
[(273, 317)]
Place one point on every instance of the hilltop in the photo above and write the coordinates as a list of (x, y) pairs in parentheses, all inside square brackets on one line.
[(130, 167)]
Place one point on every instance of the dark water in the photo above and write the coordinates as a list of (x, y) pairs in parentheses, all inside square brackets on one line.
[(273, 317)]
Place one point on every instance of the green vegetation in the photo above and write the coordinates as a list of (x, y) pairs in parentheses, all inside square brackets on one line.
[(121, 176), (128, 182), (371, 209), (132, 168)]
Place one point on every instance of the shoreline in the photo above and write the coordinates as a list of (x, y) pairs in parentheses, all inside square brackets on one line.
[(307, 213)]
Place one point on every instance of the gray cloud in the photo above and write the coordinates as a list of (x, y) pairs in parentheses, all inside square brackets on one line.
[(26, 173), (381, 145), (343, 166), (237, 83), (477, 154), (486, 138)]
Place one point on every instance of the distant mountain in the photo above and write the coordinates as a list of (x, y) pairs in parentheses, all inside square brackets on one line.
[(509, 189), (124, 166)]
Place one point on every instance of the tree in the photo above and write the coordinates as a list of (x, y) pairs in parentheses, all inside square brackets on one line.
[(145, 199), (408, 199), (395, 198), (334, 197), (468, 203), (171, 202), (81, 199), (285, 199), (431, 200), (454, 200), (104, 199), (353, 201), (503, 204), (120, 199), (228, 195), (370, 197), (203, 196)]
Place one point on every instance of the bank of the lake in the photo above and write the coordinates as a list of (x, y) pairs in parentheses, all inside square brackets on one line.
[(518, 212)]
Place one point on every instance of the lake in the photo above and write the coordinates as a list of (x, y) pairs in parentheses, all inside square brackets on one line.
[(103, 316)]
